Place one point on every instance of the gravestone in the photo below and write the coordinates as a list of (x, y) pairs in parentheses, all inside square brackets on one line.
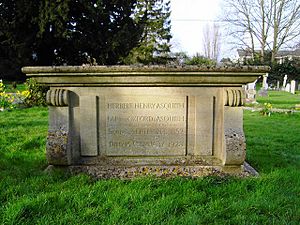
[(284, 82), (288, 87), (250, 91), (293, 86), (265, 83), (264, 89), (123, 121), (278, 85)]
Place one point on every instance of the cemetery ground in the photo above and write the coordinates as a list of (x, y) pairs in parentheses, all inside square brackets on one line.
[(30, 196), (18, 87), (280, 99)]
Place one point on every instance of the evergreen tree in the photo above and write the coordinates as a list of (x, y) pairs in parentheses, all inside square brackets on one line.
[(18, 28), (47, 32), (154, 46), (288, 67)]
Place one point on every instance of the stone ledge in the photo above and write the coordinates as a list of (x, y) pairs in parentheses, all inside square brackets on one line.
[(112, 69), (151, 161), (126, 172), (83, 76)]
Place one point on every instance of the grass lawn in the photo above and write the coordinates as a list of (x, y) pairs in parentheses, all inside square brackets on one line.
[(29, 196), (280, 99), (10, 89)]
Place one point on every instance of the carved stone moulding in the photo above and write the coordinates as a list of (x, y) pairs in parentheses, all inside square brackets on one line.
[(57, 97), (234, 97)]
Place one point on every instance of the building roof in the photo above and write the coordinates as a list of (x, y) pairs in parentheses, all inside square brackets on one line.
[(246, 52), (284, 53)]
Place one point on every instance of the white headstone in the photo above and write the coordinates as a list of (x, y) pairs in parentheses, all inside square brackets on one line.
[(265, 84), (278, 85), (288, 87), (251, 86), (293, 86), (284, 81), (250, 92)]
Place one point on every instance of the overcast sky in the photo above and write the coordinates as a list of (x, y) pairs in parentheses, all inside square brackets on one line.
[(189, 17)]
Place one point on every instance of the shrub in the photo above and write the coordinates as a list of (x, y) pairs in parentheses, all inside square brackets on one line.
[(6, 100), (199, 60), (35, 94)]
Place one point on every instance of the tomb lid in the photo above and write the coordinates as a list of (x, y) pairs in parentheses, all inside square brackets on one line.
[(145, 75)]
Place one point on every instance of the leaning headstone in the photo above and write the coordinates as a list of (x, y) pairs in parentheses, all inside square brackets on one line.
[(284, 82), (288, 87), (293, 86)]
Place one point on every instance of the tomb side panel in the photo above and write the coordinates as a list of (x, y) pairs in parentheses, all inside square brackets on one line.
[(145, 125)]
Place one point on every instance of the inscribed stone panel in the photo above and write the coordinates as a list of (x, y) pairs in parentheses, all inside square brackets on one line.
[(146, 125)]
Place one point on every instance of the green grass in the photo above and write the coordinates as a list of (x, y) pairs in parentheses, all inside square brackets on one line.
[(29, 196), (280, 99), (10, 89)]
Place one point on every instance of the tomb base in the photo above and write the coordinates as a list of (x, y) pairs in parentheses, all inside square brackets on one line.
[(160, 168), (122, 121)]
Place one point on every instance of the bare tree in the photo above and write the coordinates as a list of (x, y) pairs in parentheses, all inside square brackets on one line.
[(211, 41), (286, 22), (238, 13), (269, 24)]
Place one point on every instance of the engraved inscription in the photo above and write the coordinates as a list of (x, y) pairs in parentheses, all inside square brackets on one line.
[(138, 125), (143, 105)]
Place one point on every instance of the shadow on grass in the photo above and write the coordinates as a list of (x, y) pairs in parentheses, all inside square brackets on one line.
[(29, 196)]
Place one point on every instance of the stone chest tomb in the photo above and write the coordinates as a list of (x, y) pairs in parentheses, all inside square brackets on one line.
[(121, 121)]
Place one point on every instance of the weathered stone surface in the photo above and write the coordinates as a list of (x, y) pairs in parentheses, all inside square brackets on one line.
[(132, 121), (158, 171), (234, 139), (234, 97), (57, 147), (235, 146), (144, 76), (57, 97), (61, 70), (123, 172)]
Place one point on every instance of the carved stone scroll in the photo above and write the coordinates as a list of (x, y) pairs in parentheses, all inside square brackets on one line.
[(234, 97), (57, 97)]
